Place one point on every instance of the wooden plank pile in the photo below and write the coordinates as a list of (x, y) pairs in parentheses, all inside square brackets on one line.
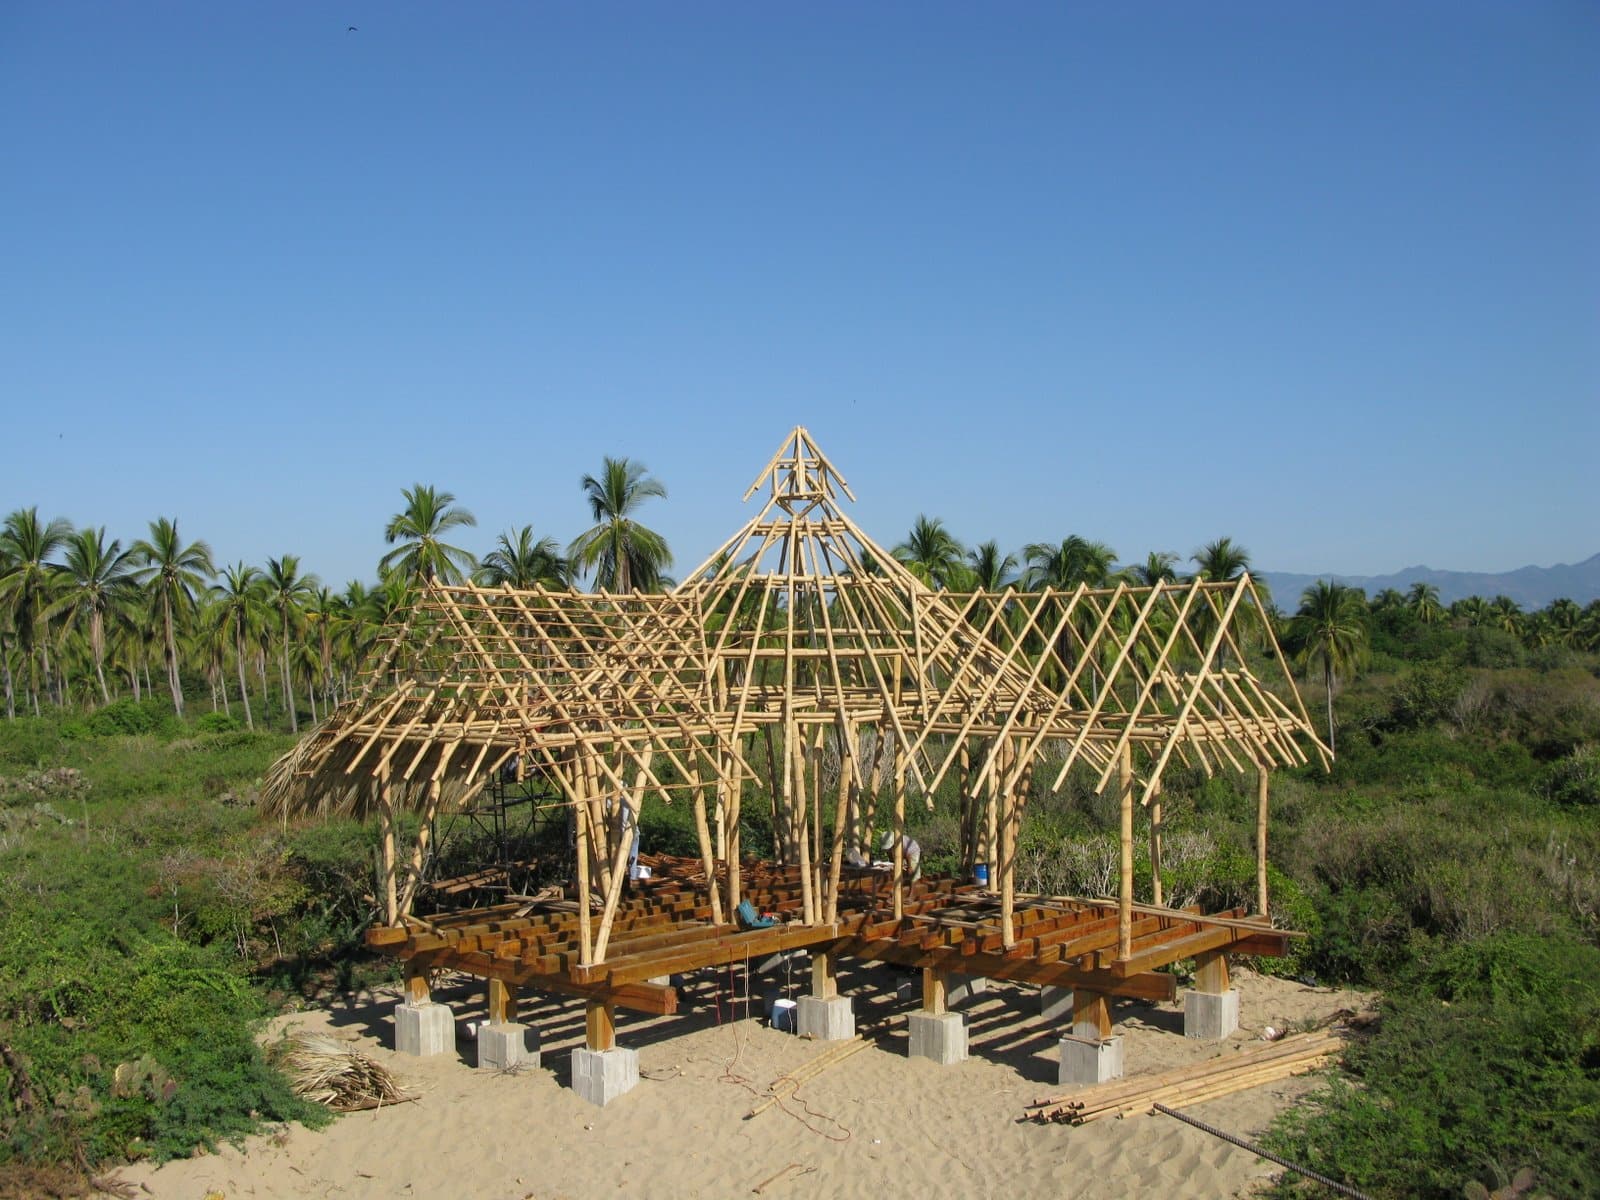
[(1193, 1084)]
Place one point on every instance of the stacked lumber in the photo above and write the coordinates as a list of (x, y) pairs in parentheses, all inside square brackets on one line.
[(1192, 1084)]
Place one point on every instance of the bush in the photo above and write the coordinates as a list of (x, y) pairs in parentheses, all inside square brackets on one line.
[(1575, 781), (134, 1043), (1486, 1060), (216, 722)]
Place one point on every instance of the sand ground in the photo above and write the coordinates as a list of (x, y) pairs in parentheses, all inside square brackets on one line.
[(876, 1125)]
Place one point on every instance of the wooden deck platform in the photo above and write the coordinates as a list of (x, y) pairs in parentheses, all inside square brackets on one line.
[(665, 928)]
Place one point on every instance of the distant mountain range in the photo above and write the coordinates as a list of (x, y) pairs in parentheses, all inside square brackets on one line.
[(1531, 587)]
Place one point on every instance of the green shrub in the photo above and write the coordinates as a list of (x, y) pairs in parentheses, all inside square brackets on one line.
[(216, 722), (1575, 781), (1486, 1059)]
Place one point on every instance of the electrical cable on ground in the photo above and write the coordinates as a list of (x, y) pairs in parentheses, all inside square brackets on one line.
[(1342, 1188)]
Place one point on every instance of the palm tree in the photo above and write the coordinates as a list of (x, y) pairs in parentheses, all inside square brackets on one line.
[(1505, 613), (1388, 600), (1331, 628), (172, 575), (520, 561), (1063, 567), (930, 552), (97, 586), (27, 586), (422, 554), (1473, 610), (1424, 601), (325, 613), (990, 570), (1221, 561), (240, 610), (1157, 567), (622, 553), (286, 589)]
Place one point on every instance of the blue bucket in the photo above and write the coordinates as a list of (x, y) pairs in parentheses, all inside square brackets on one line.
[(980, 874)]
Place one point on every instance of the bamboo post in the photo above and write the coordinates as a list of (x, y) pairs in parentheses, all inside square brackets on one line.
[(843, 814), (1009, 788), (1125, 890), (702, 831), (1261, 840), (899, 832), (391, 899), (1156, 831), (582, 850), (991, 825), (794, 800)]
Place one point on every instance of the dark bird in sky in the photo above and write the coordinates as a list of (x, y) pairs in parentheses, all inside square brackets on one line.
[(351, 29)]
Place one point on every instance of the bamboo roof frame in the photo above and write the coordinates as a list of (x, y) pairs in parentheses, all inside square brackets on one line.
[(798, 630)]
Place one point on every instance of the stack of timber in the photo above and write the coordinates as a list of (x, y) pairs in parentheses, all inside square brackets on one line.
[(1193, 1084)]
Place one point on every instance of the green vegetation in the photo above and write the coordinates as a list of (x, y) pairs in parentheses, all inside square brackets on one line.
[(149, 920)]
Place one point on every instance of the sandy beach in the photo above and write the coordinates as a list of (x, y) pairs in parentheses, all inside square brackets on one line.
[(877, 1124)]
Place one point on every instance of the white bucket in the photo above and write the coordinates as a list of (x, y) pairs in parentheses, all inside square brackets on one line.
[(783, 1016)]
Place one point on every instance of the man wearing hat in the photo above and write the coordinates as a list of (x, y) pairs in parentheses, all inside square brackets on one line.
[(909, 849)]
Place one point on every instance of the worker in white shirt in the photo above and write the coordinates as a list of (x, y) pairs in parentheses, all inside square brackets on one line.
[(910, 852)]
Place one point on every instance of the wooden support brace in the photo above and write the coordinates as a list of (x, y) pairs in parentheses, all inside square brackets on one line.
[(600, 1025), (1091, 1014), (417, 990), (502, 1002), (935, 991), (1211, 972), (824, 975)]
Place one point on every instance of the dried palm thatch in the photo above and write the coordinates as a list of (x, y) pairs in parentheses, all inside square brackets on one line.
[(330, 1073)]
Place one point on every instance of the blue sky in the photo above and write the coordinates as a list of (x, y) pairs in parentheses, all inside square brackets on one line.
[(1324, 278)]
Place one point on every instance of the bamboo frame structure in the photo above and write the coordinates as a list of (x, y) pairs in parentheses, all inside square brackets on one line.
[(798, 649)]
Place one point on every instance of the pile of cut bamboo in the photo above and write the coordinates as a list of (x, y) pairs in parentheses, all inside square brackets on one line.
[(1192, 1084), (785, 1086)]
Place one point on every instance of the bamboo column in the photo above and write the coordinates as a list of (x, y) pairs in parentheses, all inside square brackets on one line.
[(899, 832), (582, 850), (1125, 891), (391, 899), (702, 831), (1261, 840), (1156, 830)]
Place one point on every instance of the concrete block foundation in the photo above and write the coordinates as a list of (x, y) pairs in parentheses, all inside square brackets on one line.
[(600, 1076), (939, 1037), (1089, 1062), (424, 1029), (512, 1044), (1055, 1005), (829, 1020), (964, 987), (1210, 1015)]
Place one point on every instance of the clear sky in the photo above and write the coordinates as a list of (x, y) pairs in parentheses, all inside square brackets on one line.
[(1324, 278)]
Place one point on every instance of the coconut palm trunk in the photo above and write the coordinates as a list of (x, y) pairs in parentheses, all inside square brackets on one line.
[(238, 658), (170, 651)]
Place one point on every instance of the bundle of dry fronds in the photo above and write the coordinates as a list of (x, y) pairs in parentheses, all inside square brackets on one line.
[(328, 1072)]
